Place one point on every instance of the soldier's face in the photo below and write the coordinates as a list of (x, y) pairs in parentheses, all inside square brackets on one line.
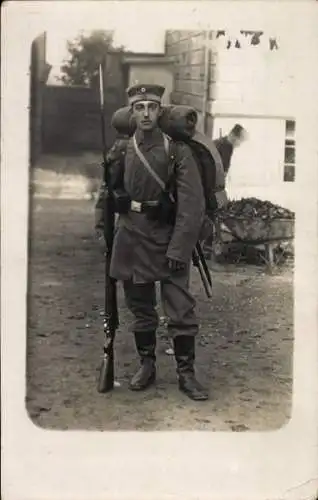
[(146, 114), (237, 140)]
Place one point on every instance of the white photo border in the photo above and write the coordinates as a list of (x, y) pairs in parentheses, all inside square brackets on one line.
[(86, 465)]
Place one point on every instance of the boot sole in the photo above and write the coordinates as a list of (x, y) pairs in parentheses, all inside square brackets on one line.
[(202, 397), (136, 388), (195, 398)]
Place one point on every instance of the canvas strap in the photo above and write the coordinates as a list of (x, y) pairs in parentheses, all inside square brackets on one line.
[(147, 164)]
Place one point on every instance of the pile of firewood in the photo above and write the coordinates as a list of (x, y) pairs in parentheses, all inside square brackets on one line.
[(255, 208)]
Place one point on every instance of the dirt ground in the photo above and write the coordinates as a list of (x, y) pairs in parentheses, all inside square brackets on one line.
[(244, 350)]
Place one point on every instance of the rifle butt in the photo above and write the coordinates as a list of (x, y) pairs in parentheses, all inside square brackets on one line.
[(106, 374)]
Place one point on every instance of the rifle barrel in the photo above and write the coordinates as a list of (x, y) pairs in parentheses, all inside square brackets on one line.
[(203, 261), (198, 263), (101, 93), (101, 86)]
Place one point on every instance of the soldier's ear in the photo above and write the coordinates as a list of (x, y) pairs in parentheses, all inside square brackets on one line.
[(161, 110), (132, 124)]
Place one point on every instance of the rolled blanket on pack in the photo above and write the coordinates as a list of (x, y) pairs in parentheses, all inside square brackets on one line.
[(123, 122), (178, 122)]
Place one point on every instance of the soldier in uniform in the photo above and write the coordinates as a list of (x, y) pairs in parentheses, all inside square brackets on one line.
[(226, 144), (146, 250)]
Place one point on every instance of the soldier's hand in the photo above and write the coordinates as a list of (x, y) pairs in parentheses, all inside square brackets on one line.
[(176, 265)]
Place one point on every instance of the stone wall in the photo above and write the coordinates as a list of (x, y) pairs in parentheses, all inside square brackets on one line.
[(191, 87)]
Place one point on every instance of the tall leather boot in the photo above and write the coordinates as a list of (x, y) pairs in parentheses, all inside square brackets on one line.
[(146, 375), (184, 348)]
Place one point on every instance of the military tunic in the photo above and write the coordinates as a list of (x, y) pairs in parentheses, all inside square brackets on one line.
[(225, 148), (141, 246)]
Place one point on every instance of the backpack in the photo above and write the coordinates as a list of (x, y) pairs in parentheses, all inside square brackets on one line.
[(178, 124)]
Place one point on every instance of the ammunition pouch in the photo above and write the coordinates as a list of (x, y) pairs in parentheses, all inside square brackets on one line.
[(122, 201), (167, 209)]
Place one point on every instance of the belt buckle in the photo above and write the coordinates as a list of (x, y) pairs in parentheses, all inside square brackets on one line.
[(135, 206)]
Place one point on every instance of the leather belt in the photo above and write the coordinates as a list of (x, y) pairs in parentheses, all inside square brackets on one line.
[(142, 206)]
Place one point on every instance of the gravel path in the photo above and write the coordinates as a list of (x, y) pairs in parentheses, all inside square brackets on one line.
[(244, 353)]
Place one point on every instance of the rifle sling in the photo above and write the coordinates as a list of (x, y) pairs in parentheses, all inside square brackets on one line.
[(147, 164)]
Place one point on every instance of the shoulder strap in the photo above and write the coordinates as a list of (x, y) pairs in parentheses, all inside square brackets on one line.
[(166, 143), (170, 146), (171, 151), (146, 164)]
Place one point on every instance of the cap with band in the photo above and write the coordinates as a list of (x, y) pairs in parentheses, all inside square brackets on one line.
[(140, 92)]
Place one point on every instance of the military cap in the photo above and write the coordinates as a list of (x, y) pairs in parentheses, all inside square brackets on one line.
[(145, 92)]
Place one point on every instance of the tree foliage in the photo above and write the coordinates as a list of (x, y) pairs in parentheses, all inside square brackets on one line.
[(86, 52)]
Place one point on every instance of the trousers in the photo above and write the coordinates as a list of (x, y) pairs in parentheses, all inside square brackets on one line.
[(177, 303)]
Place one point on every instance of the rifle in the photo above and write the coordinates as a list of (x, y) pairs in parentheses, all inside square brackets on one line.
[(111, 320)]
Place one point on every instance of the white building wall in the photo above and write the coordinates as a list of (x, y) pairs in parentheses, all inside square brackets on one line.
[(257, 167), (256, 88), (255, 80)]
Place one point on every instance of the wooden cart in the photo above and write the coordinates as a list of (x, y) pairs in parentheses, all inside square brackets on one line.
[(261, 233)]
